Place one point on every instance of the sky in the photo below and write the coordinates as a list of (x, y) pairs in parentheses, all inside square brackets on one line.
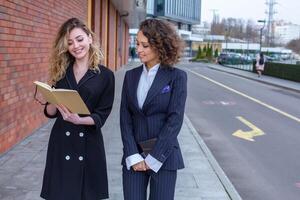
[(287, 10)]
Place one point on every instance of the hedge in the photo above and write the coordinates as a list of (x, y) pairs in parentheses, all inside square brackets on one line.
[(280, 70)]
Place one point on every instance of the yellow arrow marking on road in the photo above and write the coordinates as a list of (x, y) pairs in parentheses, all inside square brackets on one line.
[(248, 135)]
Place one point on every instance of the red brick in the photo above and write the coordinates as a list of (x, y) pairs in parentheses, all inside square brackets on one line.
[(3, 77), (3, 63), (5, 23)]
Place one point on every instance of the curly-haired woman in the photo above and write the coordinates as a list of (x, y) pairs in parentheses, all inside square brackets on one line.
[(76, 166), (151, 114)]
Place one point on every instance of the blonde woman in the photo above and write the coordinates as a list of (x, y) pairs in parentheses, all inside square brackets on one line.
[(76, 165)]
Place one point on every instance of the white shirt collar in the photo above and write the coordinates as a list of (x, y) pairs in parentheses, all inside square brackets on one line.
[(152, 70)]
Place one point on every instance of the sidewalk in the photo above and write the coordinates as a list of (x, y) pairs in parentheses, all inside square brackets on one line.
[(21, 168), (282, 83)]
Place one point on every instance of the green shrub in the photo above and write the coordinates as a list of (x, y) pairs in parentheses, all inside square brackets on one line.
[(216, 54), (199, 52)]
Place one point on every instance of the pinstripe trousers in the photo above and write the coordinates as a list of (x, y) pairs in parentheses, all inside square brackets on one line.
[(162, 184)]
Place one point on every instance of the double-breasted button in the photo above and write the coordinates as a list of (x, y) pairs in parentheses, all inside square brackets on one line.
[(81, 134), (80, 158), (67, 157), (68, 133)]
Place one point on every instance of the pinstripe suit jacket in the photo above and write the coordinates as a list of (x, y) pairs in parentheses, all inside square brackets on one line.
[(161, 115)]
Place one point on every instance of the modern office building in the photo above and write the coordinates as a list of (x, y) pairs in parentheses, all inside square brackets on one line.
[(202, 29), (27, 30), (182, 13), (284, 33)]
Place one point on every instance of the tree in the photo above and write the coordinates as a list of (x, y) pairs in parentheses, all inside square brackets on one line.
[(199, 53), (209, 53), (204, 53), (251, 34), (216, 54), (294, 45), (235, 28)]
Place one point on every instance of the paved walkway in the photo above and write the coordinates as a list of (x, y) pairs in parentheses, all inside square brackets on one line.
[(282, 83), (21, 168)]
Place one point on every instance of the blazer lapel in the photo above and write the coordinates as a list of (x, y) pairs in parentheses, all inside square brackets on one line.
[(89, 74), (135, 82), (161, 79), (71, 78)]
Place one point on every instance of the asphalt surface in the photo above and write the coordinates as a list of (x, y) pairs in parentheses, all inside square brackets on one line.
[(266, 168)]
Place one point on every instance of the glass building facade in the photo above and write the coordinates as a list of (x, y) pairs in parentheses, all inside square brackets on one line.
[(183, 11)]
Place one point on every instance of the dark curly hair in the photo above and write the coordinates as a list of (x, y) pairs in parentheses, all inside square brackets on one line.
[(164, 39)]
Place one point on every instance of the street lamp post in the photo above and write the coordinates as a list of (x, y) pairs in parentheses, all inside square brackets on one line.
[(261, 30), (226, 37)]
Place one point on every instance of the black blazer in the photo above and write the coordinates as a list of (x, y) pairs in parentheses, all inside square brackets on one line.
[(161, 116)]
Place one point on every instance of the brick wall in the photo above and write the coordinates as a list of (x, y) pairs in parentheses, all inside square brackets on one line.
[(27, 29)]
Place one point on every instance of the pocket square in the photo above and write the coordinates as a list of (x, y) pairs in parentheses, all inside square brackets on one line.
[(166, 89)]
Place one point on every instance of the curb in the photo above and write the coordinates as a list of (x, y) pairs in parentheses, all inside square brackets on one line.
[(228, 186)]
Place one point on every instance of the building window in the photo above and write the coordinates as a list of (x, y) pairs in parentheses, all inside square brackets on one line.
[(160, 6), (150, 7), (185, 11), (173, 9)]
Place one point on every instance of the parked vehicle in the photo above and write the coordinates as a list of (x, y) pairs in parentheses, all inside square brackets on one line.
[(222, 58), (233, 58)]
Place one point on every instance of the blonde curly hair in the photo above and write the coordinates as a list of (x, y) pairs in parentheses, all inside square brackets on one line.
[(60, 57)]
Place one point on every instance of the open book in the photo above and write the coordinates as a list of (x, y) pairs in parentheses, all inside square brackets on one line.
[(69, 98)]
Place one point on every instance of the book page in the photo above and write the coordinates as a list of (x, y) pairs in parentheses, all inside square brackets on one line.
[(69, 98), (44, 85), (45, 90)]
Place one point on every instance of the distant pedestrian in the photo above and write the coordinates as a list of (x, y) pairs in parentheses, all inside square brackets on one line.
[(151, 114), (132, 53), (260, 64), (76, 165)]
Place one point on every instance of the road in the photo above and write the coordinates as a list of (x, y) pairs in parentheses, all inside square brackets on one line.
[(262, 158)]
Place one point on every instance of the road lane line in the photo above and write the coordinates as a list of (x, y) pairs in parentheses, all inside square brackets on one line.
[(248, 135), (246, 96)]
